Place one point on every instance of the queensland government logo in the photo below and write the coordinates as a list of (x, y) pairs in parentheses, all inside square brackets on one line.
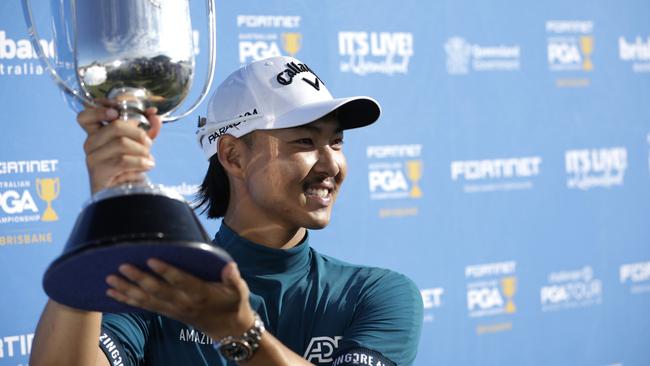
[(491, 289), (375, 52), (463, 57), (570, 289), (636, 276), (635, 51), (488, 175), (19, 188), (18, 57), (589, 168), (263, 36)]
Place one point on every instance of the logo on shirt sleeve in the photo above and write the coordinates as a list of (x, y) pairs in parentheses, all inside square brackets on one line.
[(321, 349)]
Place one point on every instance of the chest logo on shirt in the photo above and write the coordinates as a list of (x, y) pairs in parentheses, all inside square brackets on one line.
[(321, 349), (193, 335)]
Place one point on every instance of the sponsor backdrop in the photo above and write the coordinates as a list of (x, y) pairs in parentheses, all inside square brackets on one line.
[(508, 176)]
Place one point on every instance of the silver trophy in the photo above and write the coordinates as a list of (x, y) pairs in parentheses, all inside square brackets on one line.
[(132, 55)]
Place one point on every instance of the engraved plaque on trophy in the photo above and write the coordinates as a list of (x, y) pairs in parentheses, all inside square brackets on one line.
[(132, 55)]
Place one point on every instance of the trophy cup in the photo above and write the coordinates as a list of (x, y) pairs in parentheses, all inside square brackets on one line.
[(131, 54), (48, 190)]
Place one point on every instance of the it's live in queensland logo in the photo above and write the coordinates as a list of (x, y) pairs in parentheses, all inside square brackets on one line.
[(262, 36), (18, 57), (29, 190), (395, 173), (590, 168), (364, 53)]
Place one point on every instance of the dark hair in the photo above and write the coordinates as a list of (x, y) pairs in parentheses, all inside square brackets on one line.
[(213, 195)]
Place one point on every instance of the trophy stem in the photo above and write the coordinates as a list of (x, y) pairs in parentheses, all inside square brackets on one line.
[(130, 102)]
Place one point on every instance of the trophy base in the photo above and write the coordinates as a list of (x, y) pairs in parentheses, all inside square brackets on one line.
[(115, 229)]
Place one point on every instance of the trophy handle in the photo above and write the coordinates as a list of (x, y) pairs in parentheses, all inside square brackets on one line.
[(33, 35), (212, 35)]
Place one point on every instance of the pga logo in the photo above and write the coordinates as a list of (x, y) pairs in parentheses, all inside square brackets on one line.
[(387, 180), (484, 298), (257, 50), (13, 202), (564, 53)]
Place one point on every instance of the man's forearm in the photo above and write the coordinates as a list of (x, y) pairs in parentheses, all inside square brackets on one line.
[(66, 336)]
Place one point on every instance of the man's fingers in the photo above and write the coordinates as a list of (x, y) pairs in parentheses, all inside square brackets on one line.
[(116, 130), (90, 119), (155, 122), (231, 277), (175, 276)]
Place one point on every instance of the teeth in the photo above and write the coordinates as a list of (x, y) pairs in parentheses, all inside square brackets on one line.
[(320, 192)]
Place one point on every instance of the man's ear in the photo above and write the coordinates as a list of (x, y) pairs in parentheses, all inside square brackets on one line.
[(232, 153)]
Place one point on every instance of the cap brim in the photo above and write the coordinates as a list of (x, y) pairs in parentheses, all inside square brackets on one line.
[(353, 112)]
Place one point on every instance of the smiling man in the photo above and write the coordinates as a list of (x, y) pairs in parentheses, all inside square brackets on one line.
[(274, 139)]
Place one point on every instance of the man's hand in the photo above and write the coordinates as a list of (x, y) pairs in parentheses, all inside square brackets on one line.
[(218, 309), (119, 151)]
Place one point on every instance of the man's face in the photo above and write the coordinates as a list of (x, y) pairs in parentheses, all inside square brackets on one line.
[(293, 175)]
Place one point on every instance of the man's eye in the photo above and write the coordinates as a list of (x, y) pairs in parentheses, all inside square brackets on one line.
[(305, 141), (338, 142)]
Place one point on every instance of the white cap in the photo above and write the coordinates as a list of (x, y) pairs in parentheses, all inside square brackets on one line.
[(277, 92)]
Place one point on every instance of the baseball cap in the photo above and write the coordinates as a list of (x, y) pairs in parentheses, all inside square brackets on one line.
[(277, 92)]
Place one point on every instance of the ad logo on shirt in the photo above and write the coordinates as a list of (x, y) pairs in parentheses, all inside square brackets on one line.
[(321, 349)]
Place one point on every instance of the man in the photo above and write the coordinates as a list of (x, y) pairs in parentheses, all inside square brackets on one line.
[(274, 138)]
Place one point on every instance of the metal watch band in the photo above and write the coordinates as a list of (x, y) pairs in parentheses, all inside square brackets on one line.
[(242, 348)]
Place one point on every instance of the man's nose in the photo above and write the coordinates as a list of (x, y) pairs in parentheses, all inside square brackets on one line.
[(329, 161)]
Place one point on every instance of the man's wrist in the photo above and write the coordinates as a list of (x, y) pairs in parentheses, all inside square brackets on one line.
[(242, 346)]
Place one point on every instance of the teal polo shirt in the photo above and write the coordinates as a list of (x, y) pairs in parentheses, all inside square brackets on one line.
[(328, 311)]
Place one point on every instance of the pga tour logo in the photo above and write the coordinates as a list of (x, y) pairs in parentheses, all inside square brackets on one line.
[(636, 51), (492, 289), (570, 45), (395, 171), (571, 289), (265, 36), (636, 275), (596, 167), (375, 52), (463, 57)]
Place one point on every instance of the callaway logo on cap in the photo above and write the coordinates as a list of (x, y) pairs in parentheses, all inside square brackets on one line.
[(278, 92)]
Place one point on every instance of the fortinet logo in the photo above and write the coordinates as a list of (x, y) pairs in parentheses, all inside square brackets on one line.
[(636, 51), (263, 36), (22, 50), (375, 52), (16, 345), (268, 21), (636, 276), (504, 174), (570, 45), (589, 168)]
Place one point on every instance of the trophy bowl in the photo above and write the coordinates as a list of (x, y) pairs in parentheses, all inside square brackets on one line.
[(131, 55)]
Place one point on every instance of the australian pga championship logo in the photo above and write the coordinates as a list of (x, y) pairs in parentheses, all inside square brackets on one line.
[(487, 175), (491, 289), (263, 36), (589, 168), (636, 276), (570, 45), (27, 191), (463, 57), (365, 53), (571, 289), (635, 51), (395, 171), (18, 57)]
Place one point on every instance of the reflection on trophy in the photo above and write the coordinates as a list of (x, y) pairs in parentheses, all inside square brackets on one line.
[(509, 285), (132, 55), (587, 47), (291, 42), (48, 190), (414, 172)]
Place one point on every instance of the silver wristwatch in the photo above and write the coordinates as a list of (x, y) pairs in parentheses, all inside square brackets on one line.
[(243, 347)]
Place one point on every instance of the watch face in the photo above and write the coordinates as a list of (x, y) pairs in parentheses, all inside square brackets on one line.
[(236, 350)]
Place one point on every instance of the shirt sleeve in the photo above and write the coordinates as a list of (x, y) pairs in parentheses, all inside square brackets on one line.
[(123, 338), (386, 327)]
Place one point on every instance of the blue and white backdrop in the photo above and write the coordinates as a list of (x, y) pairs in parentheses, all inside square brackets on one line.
[(509, 175)]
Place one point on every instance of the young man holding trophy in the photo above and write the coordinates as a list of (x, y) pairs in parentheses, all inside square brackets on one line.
[(274, 139)]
